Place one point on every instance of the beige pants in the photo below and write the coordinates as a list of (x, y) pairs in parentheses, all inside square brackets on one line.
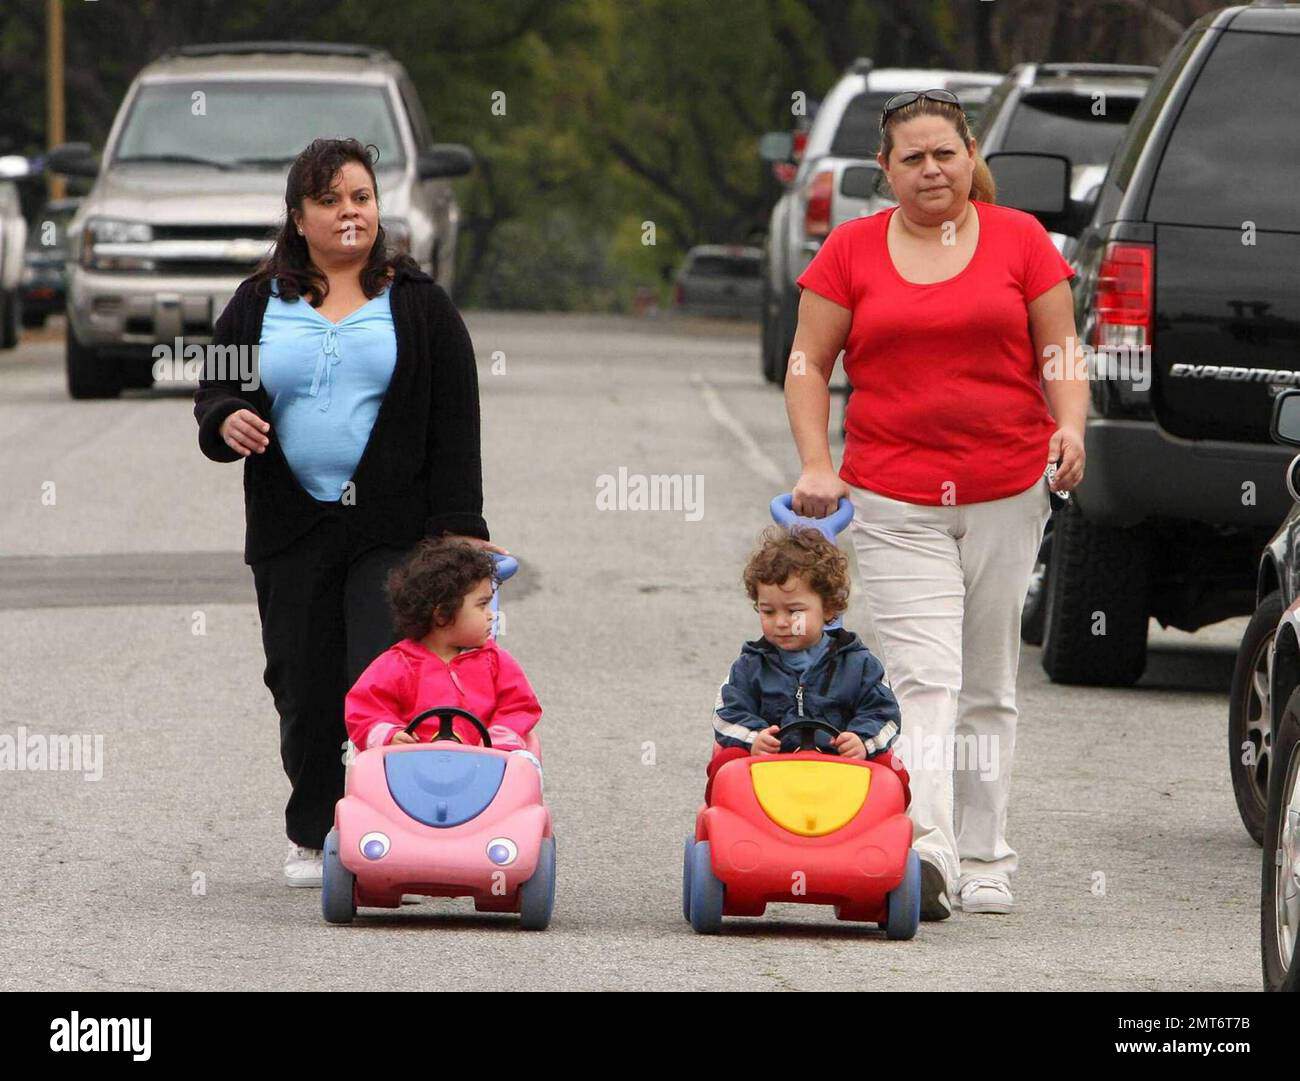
[(945, 587)]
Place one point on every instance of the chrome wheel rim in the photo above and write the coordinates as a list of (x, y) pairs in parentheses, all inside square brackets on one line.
[(1258, 728), (1286, 884)]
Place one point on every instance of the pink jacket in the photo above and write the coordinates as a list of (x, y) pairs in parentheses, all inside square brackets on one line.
[(408, 679)]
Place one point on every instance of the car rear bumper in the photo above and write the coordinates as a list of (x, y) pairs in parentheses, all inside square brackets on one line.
[(1136, 471)]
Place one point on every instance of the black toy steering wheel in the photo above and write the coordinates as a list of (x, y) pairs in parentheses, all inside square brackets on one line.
[(445, 730), (808, 727)]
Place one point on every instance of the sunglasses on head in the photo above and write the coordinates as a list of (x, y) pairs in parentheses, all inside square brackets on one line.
[(898, 101)]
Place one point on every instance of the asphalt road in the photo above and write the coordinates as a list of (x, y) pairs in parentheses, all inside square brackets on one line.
[(118, 541)]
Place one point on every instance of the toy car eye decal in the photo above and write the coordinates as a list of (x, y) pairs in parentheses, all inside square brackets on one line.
[(374, 846), (502, 850)]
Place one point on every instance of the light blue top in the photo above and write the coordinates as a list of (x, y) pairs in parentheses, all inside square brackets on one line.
[(801, 659), (326, 382)]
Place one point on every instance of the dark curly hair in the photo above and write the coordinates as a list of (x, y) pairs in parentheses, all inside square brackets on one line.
[(290, 260), (427, 589), (805, 552)]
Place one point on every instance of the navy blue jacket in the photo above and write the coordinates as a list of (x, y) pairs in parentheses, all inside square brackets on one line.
[(845, 686)]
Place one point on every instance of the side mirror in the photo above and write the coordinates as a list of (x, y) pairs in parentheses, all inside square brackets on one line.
[(859, 181), (72, 159), (444, 160), (776, 146), (1285, 426), (1038, 184)]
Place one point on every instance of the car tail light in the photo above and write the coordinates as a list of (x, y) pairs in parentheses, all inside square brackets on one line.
[(1125, 295), (797, 145), (817, 209)]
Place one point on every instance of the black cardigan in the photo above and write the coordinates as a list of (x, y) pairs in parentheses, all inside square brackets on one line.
[(420, 473)]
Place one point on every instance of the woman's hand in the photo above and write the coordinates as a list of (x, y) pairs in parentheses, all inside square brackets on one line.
[(244, 431), (478, 542), (766, 742), (1067, 448), (817, 495)]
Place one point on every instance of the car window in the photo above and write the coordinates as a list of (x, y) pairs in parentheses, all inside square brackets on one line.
[(1135, 135), (1231, 154), (723, 266), (288, 115), (858, 135), (1065, 123)]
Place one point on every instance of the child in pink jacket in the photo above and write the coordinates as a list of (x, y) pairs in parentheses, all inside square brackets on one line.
[(441, 598)]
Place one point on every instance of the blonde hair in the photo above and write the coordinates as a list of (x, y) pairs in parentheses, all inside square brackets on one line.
[(982, 185)]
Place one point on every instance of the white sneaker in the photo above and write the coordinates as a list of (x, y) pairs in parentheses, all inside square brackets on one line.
[(303, 866), (986, 895)]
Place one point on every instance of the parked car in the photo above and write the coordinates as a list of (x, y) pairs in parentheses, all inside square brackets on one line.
[(185, 205), (1185, 290), (13, 238), (44, 280), (1264, 741), (1079, 110), (719, 279), (834, 182)]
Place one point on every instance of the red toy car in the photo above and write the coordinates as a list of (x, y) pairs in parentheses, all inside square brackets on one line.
[(806, 827)]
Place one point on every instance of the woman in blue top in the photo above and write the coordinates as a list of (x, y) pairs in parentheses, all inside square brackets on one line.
[(359, 436)]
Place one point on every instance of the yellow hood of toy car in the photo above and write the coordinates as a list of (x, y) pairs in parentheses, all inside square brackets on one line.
[(810, 798)]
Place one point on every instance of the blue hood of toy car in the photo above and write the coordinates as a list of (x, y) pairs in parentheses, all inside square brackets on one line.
[(443, 788)]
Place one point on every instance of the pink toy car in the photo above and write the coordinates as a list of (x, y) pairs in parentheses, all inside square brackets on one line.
[(442, 819)]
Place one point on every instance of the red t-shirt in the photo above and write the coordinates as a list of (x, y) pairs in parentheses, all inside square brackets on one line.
[(947, 404)]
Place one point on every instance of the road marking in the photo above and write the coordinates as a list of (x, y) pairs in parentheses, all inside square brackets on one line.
[(755, 457)]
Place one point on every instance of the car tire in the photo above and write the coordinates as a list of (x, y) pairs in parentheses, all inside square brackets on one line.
[(708, 894), (1034, 613), (1249, 720), (686, 877), (10, 321), (903, 903), (137, 373), (787, 322), (537, 895), (34, 320), (1281, 860), (338, 897), (89, 374), (767, 333), (1095, 572)]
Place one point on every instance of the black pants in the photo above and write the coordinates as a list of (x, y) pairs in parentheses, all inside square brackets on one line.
[(324, 619)]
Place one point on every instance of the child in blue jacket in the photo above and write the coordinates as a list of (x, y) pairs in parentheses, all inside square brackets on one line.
[(798, 581)]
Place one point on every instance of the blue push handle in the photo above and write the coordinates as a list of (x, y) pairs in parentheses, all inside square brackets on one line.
[(782, 514), (506, 565)]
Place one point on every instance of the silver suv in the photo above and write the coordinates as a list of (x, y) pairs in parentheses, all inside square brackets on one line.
[(191, 190)]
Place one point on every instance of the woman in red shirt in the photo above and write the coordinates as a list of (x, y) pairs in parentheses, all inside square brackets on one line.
[(956, 320)]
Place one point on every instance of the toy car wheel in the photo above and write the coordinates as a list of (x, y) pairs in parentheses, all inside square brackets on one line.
[(338, 885), (686, 876), (537, 895), (708, 893), (903, 905)]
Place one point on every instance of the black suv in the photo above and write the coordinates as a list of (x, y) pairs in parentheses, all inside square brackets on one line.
[(1187, 291)]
